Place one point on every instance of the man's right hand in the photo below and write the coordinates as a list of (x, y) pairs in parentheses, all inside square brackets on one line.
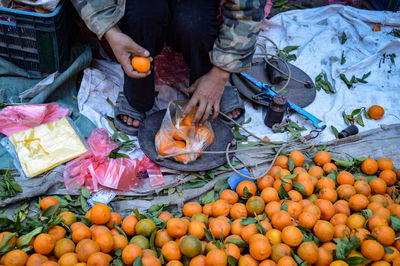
[(123, 47)]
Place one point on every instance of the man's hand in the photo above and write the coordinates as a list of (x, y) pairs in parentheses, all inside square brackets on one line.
[(123, 47), (207, 92)]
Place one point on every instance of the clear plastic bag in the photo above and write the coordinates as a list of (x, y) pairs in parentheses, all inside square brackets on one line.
[(177, 134)]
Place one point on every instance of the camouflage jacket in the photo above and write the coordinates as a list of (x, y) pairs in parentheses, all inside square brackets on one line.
[(234, 47)]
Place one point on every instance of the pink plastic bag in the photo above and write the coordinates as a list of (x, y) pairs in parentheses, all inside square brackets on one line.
[(16, 118), (95, 168), (100, 143)]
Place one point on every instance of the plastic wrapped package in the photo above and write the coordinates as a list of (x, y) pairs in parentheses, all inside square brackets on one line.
[(177, 134), (41, 148)]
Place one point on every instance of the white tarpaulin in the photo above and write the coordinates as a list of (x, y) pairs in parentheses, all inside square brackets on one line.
[(318, 33)]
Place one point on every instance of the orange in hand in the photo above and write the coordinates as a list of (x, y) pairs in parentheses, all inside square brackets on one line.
[(141, 64)]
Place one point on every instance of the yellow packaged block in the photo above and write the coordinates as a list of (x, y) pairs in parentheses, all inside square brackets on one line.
[(41, 148)]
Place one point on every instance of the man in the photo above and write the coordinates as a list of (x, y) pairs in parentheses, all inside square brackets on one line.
[(211, 50)]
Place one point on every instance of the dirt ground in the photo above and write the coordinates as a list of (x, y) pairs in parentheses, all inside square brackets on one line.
[(282, 5)]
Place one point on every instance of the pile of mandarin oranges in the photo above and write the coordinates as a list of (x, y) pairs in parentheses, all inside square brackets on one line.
[(318, 214)]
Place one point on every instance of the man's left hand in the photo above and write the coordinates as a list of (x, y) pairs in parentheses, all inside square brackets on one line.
[(207, 92)]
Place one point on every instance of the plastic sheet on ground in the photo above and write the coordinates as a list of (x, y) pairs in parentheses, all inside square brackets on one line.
[(318, 34)]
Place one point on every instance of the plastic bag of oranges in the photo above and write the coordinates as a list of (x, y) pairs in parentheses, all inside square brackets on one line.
[(177, 134)]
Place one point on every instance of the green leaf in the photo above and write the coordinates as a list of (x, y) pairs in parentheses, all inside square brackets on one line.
[(28, 237), (284, 206), (366, 75), (260, 229), (335, 131), (296, 257), (283, 193), (366, 213), (388, 250), (288, 49), (138, 262), (238, 242), (118, 253), (232, 261), (16, 186), (291, 164), (208, 235), (207, 198), (366, 114), (300, 6), (85, 207), (345, 80), (345, 246), (152, 239), (344, 38), (4, 242), (291, 57), (85, 192), (359, 120), (196, 183), (282, 56), (300, 188), (221, 185), (119, 229), (119, 155), (343, 59), (179, 192), (110, 102), (155, 207), (290, 176), (333, 176), (247, 121), (123, 136), (343, 163), (52, 222), (62, 201), (356, 260), (238, 135), (395, 223), (246, 193), (50, 210), (346, 120), (117, 262), (353, 79), (356, 112), (392, 57), (111, 123), (247, 221), (280, 3)]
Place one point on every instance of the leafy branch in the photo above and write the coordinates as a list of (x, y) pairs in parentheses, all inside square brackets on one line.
[(8, 186), (355, 116), (285, 54), (354, 79), (322, 82)]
